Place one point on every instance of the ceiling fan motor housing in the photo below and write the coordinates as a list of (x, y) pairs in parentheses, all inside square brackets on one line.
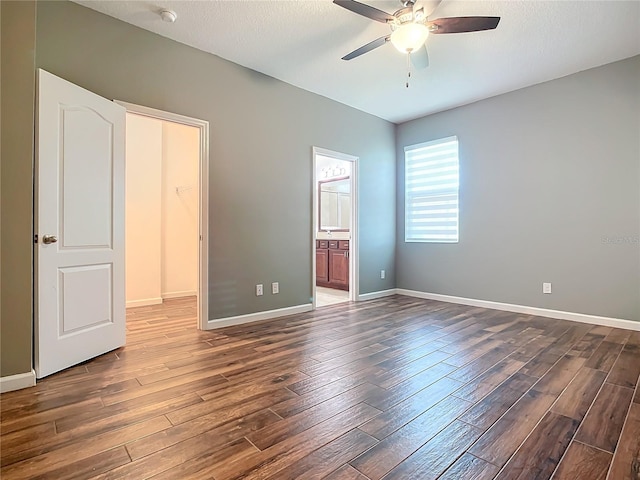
[(406, 15)]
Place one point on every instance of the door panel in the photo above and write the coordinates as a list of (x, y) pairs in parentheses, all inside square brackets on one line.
[(86, 166), (80, 303), (339, 269), (322, 265), (83, 303)]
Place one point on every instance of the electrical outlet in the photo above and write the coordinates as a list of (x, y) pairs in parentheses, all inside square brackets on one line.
[(275, 288), (259, 290), (383, 274), (546, 288)]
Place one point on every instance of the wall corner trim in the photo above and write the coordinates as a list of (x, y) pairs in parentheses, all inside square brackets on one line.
[(543, 312), (378, 294), (256, 317), (17, 382)]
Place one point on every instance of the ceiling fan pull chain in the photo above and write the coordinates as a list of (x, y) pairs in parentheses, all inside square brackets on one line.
[(408, 68)]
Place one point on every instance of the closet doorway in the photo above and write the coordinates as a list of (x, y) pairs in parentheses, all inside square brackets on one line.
[(335, 239), (166, 220)]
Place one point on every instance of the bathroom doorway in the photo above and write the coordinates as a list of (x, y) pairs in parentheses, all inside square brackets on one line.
[(335, 228)]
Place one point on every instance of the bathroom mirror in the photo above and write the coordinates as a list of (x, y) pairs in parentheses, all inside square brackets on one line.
[(335, 204)]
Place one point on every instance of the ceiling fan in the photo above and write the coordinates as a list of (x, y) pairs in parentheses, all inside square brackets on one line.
[(410, 28)]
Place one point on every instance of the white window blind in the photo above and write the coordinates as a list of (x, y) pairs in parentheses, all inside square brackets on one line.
[(431, 191)]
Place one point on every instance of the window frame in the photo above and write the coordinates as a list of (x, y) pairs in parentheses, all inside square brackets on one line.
[(410, 196)]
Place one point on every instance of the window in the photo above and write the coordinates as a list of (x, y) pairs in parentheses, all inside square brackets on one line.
[(431, 191)]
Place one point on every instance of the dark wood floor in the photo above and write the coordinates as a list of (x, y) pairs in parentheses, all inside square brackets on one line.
[(395, 388)]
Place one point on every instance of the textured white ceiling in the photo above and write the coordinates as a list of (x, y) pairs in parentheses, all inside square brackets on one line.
[(301, 42)]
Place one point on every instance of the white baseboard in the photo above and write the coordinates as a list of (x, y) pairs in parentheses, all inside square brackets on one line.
[(17, 382), (542, 312), (186, 293), (255, 317), (144, 302), (379, 294)]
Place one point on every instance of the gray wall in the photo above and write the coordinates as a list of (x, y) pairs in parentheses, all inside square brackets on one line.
[(261, 132), (261, 137), (18, 43), (549, 192)]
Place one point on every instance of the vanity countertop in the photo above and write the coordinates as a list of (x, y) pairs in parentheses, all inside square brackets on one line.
[(333, 236)]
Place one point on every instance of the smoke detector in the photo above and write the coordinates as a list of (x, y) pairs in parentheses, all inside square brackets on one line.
[(167, 15)]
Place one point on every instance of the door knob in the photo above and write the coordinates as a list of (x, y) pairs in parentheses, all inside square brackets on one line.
[(47, 239)]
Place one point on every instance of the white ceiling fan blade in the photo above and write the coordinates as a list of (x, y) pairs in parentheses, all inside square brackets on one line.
[(420, 58)]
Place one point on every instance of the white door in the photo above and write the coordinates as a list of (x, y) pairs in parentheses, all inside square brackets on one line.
[(79, 223)]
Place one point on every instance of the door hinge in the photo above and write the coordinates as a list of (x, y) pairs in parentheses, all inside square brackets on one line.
[(35, 238)]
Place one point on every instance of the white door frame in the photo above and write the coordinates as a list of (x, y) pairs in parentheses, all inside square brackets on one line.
[(354, 254), (203, 224)]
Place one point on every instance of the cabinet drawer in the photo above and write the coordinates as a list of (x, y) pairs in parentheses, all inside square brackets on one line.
[(343, 244), (322, 244), (333, 244)]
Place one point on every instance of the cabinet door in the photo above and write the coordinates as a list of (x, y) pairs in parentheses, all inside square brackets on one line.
[(339, 269), (322, 265)]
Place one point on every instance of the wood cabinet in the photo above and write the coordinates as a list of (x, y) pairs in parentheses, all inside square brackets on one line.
[(332, 264)]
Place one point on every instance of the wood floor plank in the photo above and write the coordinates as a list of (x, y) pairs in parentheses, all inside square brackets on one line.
[(411, 349), (399, 387), (605, 356), (612, 404), (468, 467), (582, 461), (44, 444), (481, 364), (62, 457), (626, 370), (340, 378), (192, 459), (173, 386), (220, 409), (506, 435), (579, 395), (274, 459), (298, 403), (328, 458), (20, 440), (558, 377), (474, 351), (50, 399), (395, 373), (587, 345), (400, 414), (20, 422), (88, 467), (348, 364), (434, 457), (618, 335), (287, 427), (484, 413), (477, 389), (346, 472), (127, 412), (538, 457), (410, 387), (233, 425), (399, 445), (626, 461)]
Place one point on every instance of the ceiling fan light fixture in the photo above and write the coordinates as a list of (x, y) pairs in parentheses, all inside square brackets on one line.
[(409, 37)]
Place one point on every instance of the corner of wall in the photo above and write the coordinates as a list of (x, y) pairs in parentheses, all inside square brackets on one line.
[(18, 30)]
